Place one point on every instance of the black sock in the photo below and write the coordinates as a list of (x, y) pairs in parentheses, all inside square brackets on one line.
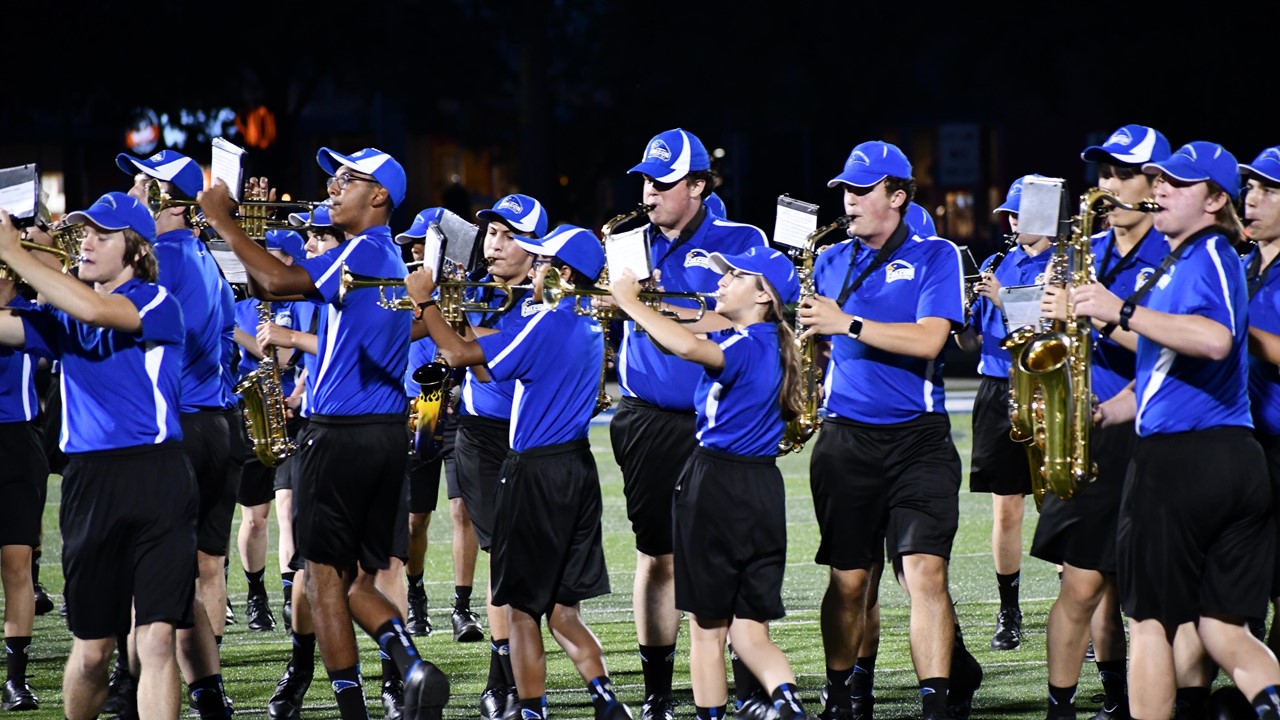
[(304, 651), (1061, 698), (205, 687), (348, 688), (389, 669), (534, 708), (15, 650), (415, 583), (1112, 675), (396, 643), (1008, 585), (217, 639), (658, 663), (1192, 700), (286, 585), (497, 679), (1267, 703), (862, 681), (711, 713), (462, 597), (257, 586), (745, 683), (837, 690), (504, 660), (602, 694), (933, 695), (786, 698), (122, 654)]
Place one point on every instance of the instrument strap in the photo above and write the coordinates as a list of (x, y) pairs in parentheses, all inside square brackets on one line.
[(1109, 272), (492, 318), (886, 251), (1166, 265)]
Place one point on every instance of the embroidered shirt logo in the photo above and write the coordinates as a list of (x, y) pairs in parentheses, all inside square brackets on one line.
[(529, 307), (899, 270), (698, 258), (1143, 276)]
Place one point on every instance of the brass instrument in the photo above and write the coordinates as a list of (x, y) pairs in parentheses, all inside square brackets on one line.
[(66, 247), (452, 303), (798, 430), (554, 289), (603, 400), (1057, 362), (435, 383), (256, 216), (264, 410)]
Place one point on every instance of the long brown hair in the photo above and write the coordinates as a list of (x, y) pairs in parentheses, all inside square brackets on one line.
[(1226, 219), (138, 254), (791, 395)]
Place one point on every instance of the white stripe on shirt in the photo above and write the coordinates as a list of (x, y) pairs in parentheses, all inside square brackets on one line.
[(154, 357)]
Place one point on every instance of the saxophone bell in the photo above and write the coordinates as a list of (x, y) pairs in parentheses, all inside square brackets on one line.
[(435, 382)]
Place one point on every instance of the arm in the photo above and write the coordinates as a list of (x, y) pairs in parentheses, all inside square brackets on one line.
[(455, 349), (1265, 345), (248, 342), (666, 332), (269, 278), (12, 332), (922, 339), (1190, 335), (1121, 408), (284, 338)]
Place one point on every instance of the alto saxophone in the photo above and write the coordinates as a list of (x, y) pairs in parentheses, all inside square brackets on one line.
[(799, 429), (264, 411)]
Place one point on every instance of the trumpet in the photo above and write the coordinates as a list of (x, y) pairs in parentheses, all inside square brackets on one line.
[(256, 216), (66, 247), (554, 289), (452, 302)]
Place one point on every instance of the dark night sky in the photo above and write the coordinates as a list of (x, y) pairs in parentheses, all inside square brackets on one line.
[(577, 88)]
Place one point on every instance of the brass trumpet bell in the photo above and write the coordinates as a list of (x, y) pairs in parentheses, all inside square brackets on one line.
[(256, 217), (66, 247)]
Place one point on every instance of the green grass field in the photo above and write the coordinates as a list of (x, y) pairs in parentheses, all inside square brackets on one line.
[(1014, 685)]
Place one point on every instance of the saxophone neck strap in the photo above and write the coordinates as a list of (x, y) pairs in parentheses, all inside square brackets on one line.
[(885, 252)]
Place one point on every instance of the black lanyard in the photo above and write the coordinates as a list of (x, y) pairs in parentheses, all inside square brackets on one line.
[(491, 318), (1173, 256), (1109, 272), (891, 246)]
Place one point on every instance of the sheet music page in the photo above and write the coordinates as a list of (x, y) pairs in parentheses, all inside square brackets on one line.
[(1021, 306), (796, 219), (232, 268), (432, 249), (628, 250), (227, 165), (19, 192)]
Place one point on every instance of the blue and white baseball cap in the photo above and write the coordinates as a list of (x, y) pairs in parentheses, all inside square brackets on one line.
[(578, 247), (418, 230), (290, 241), (521, 213), (920, 220), (1013, 198), (370, 161), (870, 162), (715, 207), (671, 155), (1199, 161), (117, 211), (170, 166), (768, 264), (318, 217), (1265, 166), (1130, 145)]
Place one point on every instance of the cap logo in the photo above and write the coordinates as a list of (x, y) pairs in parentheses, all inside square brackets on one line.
[(512, 203), (1190, 151), (858, 157), (157, 157), (658, 150), (899, 270), (1272, 154), (1120, 137)]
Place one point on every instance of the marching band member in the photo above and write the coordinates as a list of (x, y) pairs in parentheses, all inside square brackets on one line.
[(1187, 549), (129, 329), (352, 457), (1079, 535), (653, 429), (547, 555), (884, 467), (729, 569)]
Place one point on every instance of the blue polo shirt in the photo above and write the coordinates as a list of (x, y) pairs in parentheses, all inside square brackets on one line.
[(190, 274), (305, 315), (229, 347), (495, 399), (923, 278), (247, 320), (645, 371), (738, 411), (555, 361), (1264, 376), (119, 389), (1017, 268), (362, 348), (1177, 393), (18, 400), (1113, 364)]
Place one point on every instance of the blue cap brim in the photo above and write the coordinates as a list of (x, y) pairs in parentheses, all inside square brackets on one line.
[(1273, 176), (657, 171), (1176, 170), (857, 179)]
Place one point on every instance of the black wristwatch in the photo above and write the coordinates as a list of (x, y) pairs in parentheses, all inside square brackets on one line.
[(855, 327), (1126, 312), (422, 306)]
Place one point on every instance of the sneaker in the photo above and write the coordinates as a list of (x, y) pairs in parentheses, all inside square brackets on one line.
[(287, 612), (615, 711), (209, 704), (1120, 711), (493, 704), (1008, 635), (835, 714), (231, 613), (393, 699), (418, 621), (1089, 654), (62, 610), (18, 696), (44, 603), (513, 705), (863, 707), (122, 695), (1061, 713), (466, 626), (426, 692), (286, 701), (259, 614), (757, 706), (966, 678), (658, 707)]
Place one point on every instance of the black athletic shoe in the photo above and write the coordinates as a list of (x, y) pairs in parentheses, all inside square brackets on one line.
[(287, 612), (231, 613), (426, 692), (18, 696), (209, 704), (44, 603), (614, 711), (493, 703), (1089, 654), (419, 623), (1008, 635), (1120, 711), (259, 614), (466, 626), (122, 695), (966, 678), (757, 706), (393, 699), (864, 707), (513, 705), (62, 609), (658, 707), (286, 701)]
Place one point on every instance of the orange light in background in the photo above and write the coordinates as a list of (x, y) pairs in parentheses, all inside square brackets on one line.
[(564, 181), (258, 127)]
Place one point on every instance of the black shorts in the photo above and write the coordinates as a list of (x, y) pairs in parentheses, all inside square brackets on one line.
[(424, 477), (730, 537), (400, 537), (350, 484), (651, 445), (128, 522), (998, 465), (1271, 450), (1196, 534), (898, 482), (286, 475), (547, 546), (1081, 532), (206, 439), (480, 446), (22, 483)]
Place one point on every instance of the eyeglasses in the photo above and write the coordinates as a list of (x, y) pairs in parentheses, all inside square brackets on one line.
[(1106, 171), (540, 261), (346, 179), (661, 186)]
